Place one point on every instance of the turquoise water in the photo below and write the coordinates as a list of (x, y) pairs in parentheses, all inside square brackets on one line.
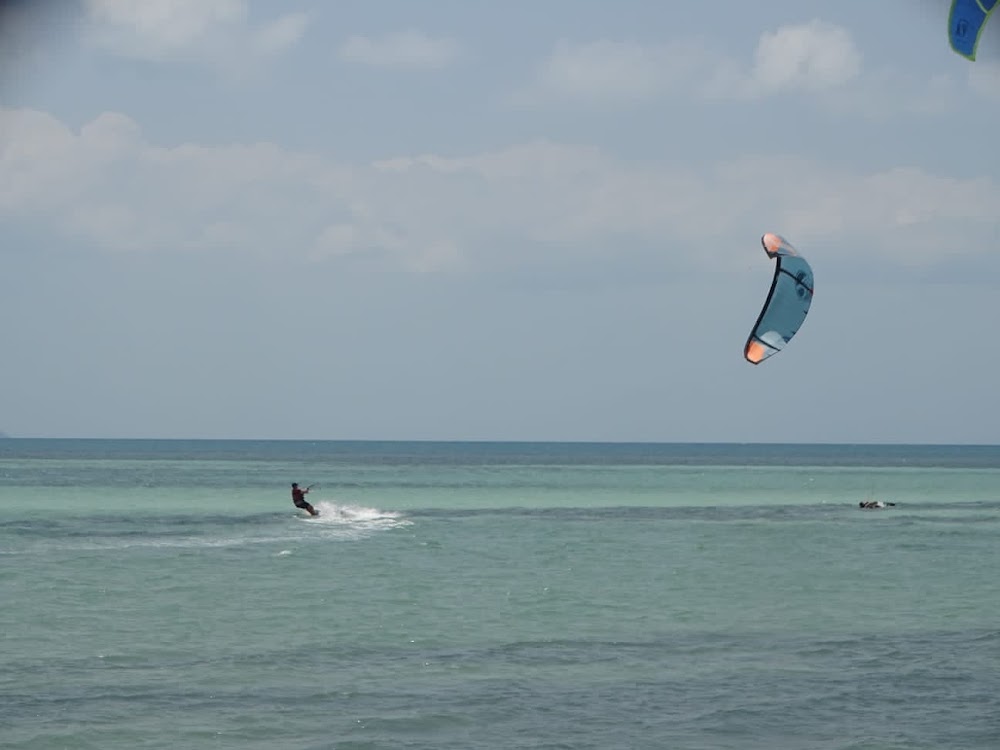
[(168, 595)]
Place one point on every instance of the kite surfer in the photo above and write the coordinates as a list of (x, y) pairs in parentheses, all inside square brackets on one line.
[(873, 504), (299, 499)]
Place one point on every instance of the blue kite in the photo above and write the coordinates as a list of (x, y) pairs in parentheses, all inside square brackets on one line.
[(965, 24), (787, 302)]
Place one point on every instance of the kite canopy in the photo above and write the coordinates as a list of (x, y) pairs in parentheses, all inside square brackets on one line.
[(787, 303), (965, 24)]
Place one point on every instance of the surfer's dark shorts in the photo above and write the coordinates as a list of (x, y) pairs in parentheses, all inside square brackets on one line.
[(300, 503)]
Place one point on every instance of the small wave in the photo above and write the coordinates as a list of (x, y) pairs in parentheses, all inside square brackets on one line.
[(191, 542)]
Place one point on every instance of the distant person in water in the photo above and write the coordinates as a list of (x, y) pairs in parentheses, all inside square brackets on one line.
[(299, 498), (873, 504)]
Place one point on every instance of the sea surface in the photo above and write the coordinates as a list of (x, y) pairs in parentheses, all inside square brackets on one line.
[(166, 594)]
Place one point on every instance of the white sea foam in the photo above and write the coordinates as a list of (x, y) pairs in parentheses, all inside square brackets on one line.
[(191, 542), (356, 518)]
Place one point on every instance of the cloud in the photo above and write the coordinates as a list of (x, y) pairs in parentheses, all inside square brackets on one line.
[(609, 70), (808, 57), (886, 93), (278, 35), (811, 57), (215, 31), (818, 60), (528, 205), (404, 49)]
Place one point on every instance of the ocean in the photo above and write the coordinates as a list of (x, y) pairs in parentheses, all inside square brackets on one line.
[(166, 594)]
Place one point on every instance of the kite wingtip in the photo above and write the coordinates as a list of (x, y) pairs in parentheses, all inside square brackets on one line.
[(754, 352), (771, 242)]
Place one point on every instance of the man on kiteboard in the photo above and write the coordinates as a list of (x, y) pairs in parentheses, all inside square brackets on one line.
[(874, 504), (299, 499)]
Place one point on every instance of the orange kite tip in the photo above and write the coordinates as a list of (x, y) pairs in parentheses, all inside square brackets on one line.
[(754, 352), (771, 242)]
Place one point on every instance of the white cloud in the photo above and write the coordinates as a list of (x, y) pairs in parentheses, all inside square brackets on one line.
[(163, 26), (815, 59), (609, 70), (216, 31), (278, 35), (366, 242), (807, 57), (509, 208), (404, 49)]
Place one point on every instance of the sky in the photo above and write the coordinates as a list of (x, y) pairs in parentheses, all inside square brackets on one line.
[(485, 220)]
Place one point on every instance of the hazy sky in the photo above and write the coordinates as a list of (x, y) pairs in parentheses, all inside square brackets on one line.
[(495, 219)]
